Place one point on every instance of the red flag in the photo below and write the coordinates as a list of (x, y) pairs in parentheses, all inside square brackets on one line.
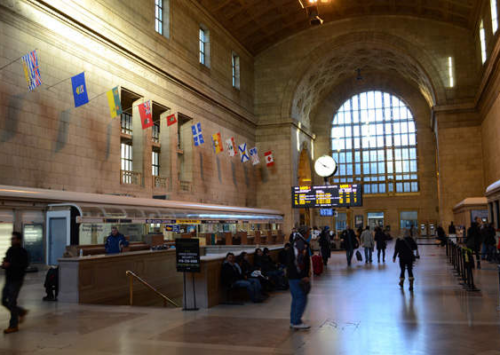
[(146, 114), (172, 119), (269, 158)]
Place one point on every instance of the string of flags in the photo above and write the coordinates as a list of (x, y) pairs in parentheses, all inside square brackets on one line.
[(31, 67)]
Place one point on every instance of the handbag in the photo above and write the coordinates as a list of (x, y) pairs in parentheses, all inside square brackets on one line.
[(358, 256)]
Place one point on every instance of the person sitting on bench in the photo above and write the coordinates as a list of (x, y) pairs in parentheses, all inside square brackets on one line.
[(232, 277)]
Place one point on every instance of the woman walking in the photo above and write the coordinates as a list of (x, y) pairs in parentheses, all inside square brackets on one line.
[(324, 243), (404, 249), (381, 240)]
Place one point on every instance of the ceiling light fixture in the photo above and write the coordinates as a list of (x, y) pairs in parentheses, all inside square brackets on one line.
[(312, 10)]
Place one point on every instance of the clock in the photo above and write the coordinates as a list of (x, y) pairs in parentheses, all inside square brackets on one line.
[(325, 166)]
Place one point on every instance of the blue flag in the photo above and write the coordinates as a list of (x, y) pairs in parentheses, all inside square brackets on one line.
[(79, 90), (197, 136)]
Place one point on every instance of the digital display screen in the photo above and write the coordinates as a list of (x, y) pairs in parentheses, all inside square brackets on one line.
[(326, 212), (339, 195)]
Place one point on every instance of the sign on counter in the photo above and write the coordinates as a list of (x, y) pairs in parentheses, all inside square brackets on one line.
[(187, 252)]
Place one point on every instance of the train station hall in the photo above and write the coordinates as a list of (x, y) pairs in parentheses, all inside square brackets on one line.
[(219, 177)]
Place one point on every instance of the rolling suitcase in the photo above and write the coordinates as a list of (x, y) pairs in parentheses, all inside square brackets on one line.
[(317, 262)]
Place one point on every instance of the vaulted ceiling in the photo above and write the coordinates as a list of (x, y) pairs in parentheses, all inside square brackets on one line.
[(258, 24)]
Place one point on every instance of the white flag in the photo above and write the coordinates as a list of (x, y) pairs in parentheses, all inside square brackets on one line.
[(255, 156)]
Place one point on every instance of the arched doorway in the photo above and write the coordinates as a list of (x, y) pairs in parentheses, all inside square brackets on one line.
[(304, 178)]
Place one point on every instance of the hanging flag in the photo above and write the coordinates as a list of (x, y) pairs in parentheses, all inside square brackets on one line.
[(115, 106), (197, 135), (217, 139), (172, 119), (79, 90), (32, 70), (146, 114), (269, 158), (243, 152), (231, 147), (255, 156)]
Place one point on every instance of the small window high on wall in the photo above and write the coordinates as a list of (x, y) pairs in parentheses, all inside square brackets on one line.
[(374, 141), (482, 42), (162, 17), (204, 39), (494, 15), (235, 68)]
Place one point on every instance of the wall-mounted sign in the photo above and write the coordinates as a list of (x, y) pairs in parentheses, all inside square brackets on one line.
[(188, 221)]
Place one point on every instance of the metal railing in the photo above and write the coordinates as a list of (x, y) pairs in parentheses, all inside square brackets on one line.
[(130, 177), (185, 186), (133, 276), (462, 260)]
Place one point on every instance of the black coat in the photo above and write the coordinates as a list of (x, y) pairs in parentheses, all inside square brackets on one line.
[(295, 269), (230, 274), (381, 239), (474, 239), (404, 249), (18, 259), (324, 243), (349, 239)]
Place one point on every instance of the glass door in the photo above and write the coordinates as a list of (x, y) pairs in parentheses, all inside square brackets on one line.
[(375, 219)]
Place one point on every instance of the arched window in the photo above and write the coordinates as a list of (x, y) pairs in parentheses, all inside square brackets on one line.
[(374, 142)]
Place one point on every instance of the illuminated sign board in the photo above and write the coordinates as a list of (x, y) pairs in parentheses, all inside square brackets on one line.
[(339, 195)]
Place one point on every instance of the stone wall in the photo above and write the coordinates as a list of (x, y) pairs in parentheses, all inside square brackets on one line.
[(47, 143)]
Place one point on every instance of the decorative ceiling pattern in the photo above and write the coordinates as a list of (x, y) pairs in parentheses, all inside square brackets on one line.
[(258, 24), (319, 82)]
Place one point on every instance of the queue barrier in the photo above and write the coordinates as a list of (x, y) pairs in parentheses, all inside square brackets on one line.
[(462, 260)]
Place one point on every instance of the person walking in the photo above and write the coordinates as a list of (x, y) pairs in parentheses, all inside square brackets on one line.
[(451, 229), (298, 269), (324, 243), (404, 249), (473, 241), (381, 240), (441, 235), (15, 263), (350, 243), (490, 241), (368, 243)]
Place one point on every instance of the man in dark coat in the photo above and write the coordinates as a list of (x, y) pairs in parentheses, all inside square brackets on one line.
[(474, 240), (15, 263), (324, 243), (350, 243), (405, 248)]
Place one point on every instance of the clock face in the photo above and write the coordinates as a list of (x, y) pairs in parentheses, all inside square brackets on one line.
[(325, 166)]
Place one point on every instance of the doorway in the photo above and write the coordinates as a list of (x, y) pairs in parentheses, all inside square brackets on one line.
[(58, 235), (375, 219)]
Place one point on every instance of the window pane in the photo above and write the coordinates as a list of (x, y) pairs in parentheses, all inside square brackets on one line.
[(372, 140)]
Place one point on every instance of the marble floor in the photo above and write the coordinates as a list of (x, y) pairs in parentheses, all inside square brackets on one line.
[(360, 310)]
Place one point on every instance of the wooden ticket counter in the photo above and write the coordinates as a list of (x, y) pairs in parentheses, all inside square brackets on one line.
[(101, 279)]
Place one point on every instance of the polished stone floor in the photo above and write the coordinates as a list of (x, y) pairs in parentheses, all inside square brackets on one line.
[(360, 310)]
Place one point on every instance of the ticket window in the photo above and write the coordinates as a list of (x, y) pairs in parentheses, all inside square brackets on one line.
[(33, 229), (375, 219), (6, 229), (408, 220), (341, 222)]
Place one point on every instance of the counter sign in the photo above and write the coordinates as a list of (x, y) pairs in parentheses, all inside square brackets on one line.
[(187, 252)]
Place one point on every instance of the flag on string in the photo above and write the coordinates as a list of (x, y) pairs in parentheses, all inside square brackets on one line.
[(269, 158), (115, 105), (217, 139), (80, 94), (171, 119), (31, 70), (231, 147), (255, 156), (146, 114), (243, 152), (197, 135)]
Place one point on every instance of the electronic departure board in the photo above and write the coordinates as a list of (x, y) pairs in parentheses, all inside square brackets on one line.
[(339, 195)]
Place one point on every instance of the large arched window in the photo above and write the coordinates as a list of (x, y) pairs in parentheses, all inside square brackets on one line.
[(374, 142)]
